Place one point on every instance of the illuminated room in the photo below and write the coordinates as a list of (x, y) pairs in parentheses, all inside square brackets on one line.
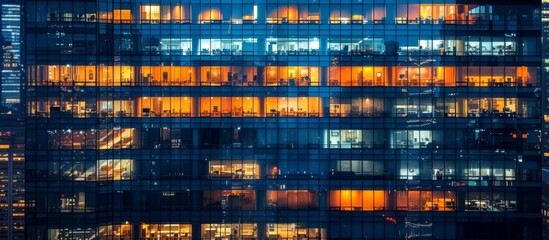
[(121, 138), (72, 75), (491, 201), (52, 107), (229, 106), (115, 75), (374, 13), (293, 46), (356, 107), (490, 107), (150, 13), (411, 138), (216, 46), (423, 200), (74, 202), (497, 76), (175, 13), (292, 76), (487, 171), (102, 170), (344, 138), (226, 76), (234, 169), (118, 232), (367, 45), (357, 76), (165, 107), (122, 16), (166, 13), (357, 200), (176, 46), (69, 138), (424, 76), (309, 13), (340, 14), (210, 13), (292, 231), (118, 108), (228, 231), (413, 107), (293, 107), (281, 13), (166, 231), (166, 75), (114, 169)]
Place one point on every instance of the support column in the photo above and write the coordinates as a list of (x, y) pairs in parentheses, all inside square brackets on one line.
[(195, 46), (136, 230), (324, 76), (195, 13), (262, 111), (195, 108), (196, 231), (261, 231), (323, 45), (261, 46), (325, 107), (389, 76), (390, 14), (261, 15), (324, 13), (195, 137), (260, 76)]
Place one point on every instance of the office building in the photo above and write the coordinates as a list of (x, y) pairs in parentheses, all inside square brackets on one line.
[(12, 135), (318, 119)]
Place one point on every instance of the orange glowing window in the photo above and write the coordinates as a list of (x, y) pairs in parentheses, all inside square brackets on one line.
[(150, 12), (357, 200)]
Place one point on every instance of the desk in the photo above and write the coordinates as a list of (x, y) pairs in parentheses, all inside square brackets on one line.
[(186, 83), (414, 82), (402, 82), (250, 114), (464, 84), (368, 83)]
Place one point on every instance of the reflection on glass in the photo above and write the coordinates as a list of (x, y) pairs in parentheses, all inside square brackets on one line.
[(229, 200), (292, 199), (115, 232)]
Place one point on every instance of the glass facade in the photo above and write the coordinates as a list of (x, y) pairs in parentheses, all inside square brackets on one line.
[(12, 150), (248, 119), (11, 69)]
